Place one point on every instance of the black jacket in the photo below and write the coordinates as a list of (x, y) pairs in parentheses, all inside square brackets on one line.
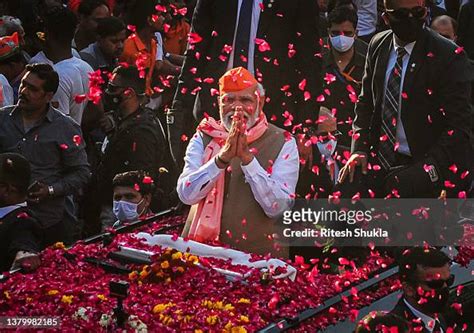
[(138, 143), (466, 28), (283, 25), (436, 113), (404, 312), (19, 231)]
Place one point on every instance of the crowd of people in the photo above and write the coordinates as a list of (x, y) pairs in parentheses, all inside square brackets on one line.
[(113, 110)]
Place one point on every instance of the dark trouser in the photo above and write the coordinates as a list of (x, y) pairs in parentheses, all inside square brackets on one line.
[(56, 233)]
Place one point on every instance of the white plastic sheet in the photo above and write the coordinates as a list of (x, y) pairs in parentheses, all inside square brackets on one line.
[(207, 251)]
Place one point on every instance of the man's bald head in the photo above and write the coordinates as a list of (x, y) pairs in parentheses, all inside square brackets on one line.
[(446, 26)]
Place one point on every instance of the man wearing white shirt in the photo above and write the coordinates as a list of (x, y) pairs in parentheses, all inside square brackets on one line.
[(240, 172), (12, 68), (73, 72), (367, 23), (6, 92)]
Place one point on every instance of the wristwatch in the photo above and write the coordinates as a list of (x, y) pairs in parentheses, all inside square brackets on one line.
[(50, 190)]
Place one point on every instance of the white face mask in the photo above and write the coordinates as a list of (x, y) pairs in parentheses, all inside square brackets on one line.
[(342, 43), (327, 148), (125, 210)]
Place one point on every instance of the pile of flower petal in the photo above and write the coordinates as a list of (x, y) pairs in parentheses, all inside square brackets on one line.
[(196, 300)]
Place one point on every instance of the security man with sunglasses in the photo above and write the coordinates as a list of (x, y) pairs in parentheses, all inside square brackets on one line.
[(137, 141), (413, 119), (426, 278)]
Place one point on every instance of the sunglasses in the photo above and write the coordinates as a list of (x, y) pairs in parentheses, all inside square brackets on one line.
[(404, 13), (439, 283)]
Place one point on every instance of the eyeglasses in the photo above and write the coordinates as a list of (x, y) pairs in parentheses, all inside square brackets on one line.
[(403, 13), (334, 33), (439, 283)]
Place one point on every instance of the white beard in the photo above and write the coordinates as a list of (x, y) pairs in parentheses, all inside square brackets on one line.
[(251, 120)]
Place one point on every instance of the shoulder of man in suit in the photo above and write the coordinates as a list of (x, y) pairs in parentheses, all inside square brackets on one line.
[(380, 36), (444, 45)]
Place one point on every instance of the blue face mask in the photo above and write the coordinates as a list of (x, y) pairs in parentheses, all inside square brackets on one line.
[(125, 210), (342, 43)]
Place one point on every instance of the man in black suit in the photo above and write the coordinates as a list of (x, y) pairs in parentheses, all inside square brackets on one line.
[(276, 40), (413, 125), (425, 277), (466, 27)]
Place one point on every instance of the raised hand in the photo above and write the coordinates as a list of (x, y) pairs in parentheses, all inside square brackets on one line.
[(229, 151), (356, 159), (243, 151)]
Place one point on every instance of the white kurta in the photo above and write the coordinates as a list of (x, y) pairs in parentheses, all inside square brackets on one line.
[(273, 191)]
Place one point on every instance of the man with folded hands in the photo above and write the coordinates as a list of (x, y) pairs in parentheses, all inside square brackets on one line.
[(240, 172)]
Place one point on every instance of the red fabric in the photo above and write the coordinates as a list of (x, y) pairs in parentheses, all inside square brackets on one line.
[(176, 38), (9, 45), (236, 79)]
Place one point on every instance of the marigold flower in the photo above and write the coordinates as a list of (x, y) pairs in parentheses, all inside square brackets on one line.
[(244, 319), (143, 274), (167, 320), (162, 307), (67, 299), (193, 259), (212, 320), (229, 307), (59, 245), (133, 275), (177, 256), (244, 301)]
